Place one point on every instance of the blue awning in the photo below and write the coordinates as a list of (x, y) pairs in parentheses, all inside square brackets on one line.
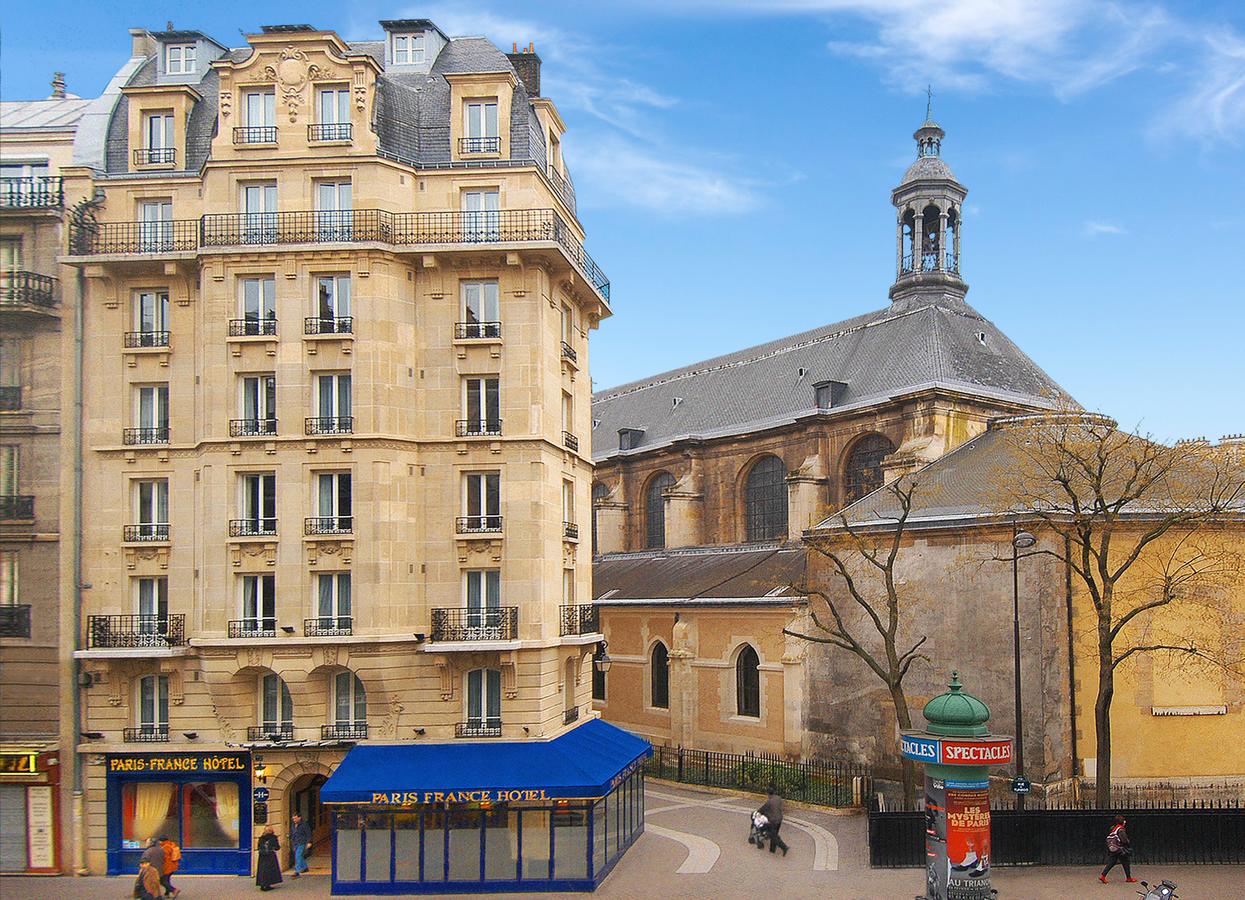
[(585, 762)]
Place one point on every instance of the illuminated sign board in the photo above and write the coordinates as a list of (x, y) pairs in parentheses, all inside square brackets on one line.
[(983, 751), (19, 763), (174, 763)]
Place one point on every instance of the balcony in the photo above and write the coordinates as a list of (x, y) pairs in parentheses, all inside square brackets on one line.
[(155, 156), (317, 425), (258, 527), (17, 507), (10, 398), (562, 187), (253, 628), (570, 441), (330, 131), (328, 626), (129, 632), (252, 327), (157, 435), (255, 134), (252, 427), (146, 734), (477, 524), (469, 146), (477, 728), (145, 533), (489, 624), (134, 237), (27, 291), (467, 331), (344, 731), (315, 525), (579, 619), (15, 620), (43, 192), (570, 531), (568, 352), (571, 715), (476, 428), (271, 732), (328, 325), (135, 340)]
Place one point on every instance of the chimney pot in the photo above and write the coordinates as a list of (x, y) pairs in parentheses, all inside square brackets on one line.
[(58, 85), (168, 25), (514, 47)]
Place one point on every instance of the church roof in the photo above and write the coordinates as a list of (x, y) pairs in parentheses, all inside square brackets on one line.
[(927, 167), (757, 574), (926, 343)]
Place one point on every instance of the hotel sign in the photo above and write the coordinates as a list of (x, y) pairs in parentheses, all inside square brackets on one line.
[(175, 763), (19, 763), (483, 795)]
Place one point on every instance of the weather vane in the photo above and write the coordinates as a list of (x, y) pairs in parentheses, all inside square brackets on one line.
[(929, 101)]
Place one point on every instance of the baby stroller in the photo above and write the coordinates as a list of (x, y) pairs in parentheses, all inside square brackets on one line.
[(756, 831)]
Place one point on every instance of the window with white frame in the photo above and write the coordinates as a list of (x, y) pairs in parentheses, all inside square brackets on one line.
[(349, 700), (179, 59), (334, 502), (481, 310), (10, 373), (334, 217), (482, 501), (259, 504), (258, 603), (10, 456), (151, 501), (568, 413), (157, 138), (481, 215), (483, 696), (480, 133), (482, 405), (568, 587), (483, 597), (333, 404), (567, 324), (333, 112), (259, 214), (259, 109), (276, 706), (568, 502), (153, 704), (155, 225), (333, 314), (151, 414), (259, 404), (152, 600), (258, 305), (407, 49), (8, 578), (333, 604), (151, 319)]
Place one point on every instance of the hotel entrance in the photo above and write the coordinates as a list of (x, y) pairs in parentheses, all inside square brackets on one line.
[(305, 801)]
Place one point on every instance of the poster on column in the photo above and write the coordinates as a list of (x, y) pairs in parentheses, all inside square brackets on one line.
[(968, 840), (935, 839)]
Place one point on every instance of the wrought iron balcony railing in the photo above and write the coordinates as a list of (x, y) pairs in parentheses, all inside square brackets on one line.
[(905, 263), (475, 330), (483, 727), (328, 325), (17, 506), (252, 427), (330, 131), (15, 620), (314, 525), (40, 192), (149, 531), (476, 428), (329, 425), (328, 626), (568, 352), (467, 145), (580, 618), (953, 263), (253, 628), (19, 289), (155, 156), (137, 339), (156, 435), (134, 237), (477, 524), (344, 731), (271, 731), (571, 715), (146, 734), (563, 187), (10, 397), (252, 327), (488, 624), (570, 530), (570, 441), (127, 632), (258, 527), (255, 134)]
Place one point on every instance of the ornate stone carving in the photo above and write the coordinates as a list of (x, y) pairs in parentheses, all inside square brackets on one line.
[(389, 724), (291, 74), (360, 89), (329, 655), (226, 104), (447, 680), (509, 682), (222, 721)]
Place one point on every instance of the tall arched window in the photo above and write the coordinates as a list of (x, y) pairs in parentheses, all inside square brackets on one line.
[(908, 237), (599, 492), (863, 472), (660, 665), (931, 237), (276, 708), (748, 683), (953, 246), (349, 700), (655, 511), (765, 500)]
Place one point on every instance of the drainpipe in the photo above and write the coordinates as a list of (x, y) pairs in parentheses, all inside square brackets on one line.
[(78, 799)]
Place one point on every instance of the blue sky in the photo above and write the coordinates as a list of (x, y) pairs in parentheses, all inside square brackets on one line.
[(734, 160)]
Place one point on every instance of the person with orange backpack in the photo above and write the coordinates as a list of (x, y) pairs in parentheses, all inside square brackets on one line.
[(172, 862)]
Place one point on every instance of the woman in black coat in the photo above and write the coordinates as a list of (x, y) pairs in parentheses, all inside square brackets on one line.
[(268, 872)]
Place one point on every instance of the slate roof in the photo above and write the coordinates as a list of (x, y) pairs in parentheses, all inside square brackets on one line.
[(927, 167), (879, 355), (755, 574), (50, 114)]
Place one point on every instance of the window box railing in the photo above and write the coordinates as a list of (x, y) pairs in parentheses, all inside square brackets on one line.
[(146, 734), (150, 531), (563, 187), (134, 237), (329, 425), (464, 331), (488, 624), (313, 525), (253, 628), (570, 441), (252, 327), (271, 732), (261, 527), (40, 192), (474, 728), (477, 524), (328, 626), (10, 397), (17, 506), (255, 134), (476, 428), (467, 145), (570, 530), (571, 715), (127, 632), (328, 325), (344, 731), (580, 618), (27, 289), (15, 620), (155, 156), (157, 435), (330, 131), (252, 427), (568, 352), (139, 339)]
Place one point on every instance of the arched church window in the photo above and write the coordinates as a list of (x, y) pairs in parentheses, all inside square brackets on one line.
[(599, 492), (748, 683), (863, 472), (931, 238), (953, 229), (660, 676), (765, 500), (909, 241), (655, 511)]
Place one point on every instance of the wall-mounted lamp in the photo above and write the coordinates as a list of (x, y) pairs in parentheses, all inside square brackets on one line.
[(525, 730), (190, 735), (420, 637), (92, 735), (288, 629), (601, 659), (419, 731)]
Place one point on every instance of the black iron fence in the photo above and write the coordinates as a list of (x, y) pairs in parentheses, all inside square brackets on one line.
[(328, 626), (252, 427), (157, 435), (253, 628), (154, 156), (464, 331), (146, 531), (134, 237), (479, 145), (811, 781), (499, 623), (483, 727), (344, 731), (313, 525), (330, 131), (271, 732), (477, 524), (477, 428), (146, 734), (138, 339), (328, 325), (258, 526), (127, 632), (255, 134), (252, 327), (314, 425)]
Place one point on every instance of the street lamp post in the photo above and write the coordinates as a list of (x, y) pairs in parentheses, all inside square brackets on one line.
[(1021, 540)]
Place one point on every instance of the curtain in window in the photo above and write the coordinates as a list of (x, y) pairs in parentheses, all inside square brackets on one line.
[(151, 807), (227, 808)]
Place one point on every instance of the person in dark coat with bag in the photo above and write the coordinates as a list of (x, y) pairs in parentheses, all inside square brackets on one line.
[(772, 810), (268, 871), (1118, 849)]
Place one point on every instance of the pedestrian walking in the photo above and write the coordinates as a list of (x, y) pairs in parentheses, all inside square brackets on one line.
[(172, 862), (268, 871), (1119, 848), (148, 885), (772, 810), (300, 840), (154, 855)]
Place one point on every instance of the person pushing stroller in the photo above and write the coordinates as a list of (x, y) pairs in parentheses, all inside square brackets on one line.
[(765, 823)]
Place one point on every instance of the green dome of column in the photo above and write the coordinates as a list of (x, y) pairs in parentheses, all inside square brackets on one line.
[(956, 713)]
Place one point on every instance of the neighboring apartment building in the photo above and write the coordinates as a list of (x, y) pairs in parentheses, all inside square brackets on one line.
[(337, 433), (36, 141)]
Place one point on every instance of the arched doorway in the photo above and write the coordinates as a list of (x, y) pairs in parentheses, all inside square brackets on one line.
[(304, 800)]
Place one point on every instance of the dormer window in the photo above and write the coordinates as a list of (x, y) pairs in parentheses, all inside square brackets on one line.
[(179, 59), (408, 49)]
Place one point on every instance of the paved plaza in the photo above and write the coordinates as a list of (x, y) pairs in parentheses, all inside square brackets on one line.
[(695, 845)]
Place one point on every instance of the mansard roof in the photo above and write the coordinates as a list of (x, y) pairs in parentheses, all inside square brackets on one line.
[(755, 574)]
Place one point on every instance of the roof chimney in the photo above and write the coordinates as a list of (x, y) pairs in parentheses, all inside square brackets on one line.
[(168, 25), (141, 43), (527, 66), (58, 86)]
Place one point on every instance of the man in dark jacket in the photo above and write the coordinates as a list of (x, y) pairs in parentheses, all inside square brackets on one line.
[(772, 810), (154, 854), (300, 840)]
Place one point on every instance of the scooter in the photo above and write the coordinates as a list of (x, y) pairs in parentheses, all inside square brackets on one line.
[(1164, 890)]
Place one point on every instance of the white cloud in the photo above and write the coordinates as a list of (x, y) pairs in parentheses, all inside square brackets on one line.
[(1214, 107), (1092, 229)]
